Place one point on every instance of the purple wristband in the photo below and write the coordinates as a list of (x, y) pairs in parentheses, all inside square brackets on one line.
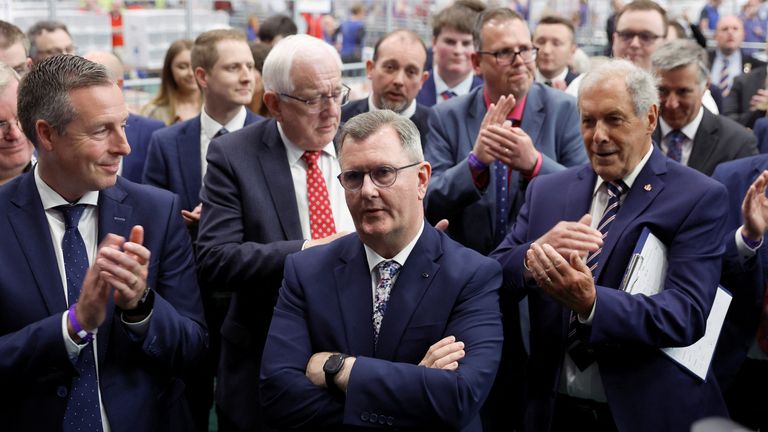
[(86, 336), (476, 164), (752, 244)]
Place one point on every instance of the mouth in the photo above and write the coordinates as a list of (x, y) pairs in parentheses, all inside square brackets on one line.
[(111, 168)]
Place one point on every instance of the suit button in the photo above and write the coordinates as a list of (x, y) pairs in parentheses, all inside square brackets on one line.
[(390, 420), (373, 418), (382, 419), (61, 391), (364, 416)]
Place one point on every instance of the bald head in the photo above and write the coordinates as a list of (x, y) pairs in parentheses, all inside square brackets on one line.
[(729, 34), (111, 62)]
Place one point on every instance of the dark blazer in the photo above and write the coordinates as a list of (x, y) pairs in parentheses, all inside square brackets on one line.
[(551, 120), (737, 102), (428, 94), (138, 131), (420, 118), (760, 130), (326, 304), (570, 76), (173, 162), (747, 61), (718, 139), (250, 223), (138, 376), (747, 282), (686, 211)]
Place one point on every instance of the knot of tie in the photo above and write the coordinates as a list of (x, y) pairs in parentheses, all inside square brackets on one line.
[(447, 94), (311, 157), (616, 188), (72, 214), (222, 131), (387, 270)]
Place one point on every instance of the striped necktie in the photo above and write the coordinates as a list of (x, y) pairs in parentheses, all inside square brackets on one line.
[(724, 84)]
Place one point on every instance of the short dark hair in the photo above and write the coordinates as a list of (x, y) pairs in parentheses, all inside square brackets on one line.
[(276, 25), (43, 26), (44, 91), (500, 13), (459, 16), (409, 33), (555, 19), (11, 35), (645, 5)]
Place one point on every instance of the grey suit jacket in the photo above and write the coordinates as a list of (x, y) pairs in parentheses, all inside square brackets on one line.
[(737, 103), (718, 139)]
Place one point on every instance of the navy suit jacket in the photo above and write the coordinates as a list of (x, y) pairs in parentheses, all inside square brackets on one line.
[(737, 102), (760, 130), (326, 303), (685, 210), (138, 131), (138, 375), (173, 162), (551, 120), (747, 281), (718, 139), (420, 118), (249, 224), (428, 94)]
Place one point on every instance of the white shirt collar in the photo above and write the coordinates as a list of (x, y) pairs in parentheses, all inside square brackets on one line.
[(295, 153), (374, 259), (734, 58), (461, 88), (688, 130), (408, 112), (542, 79), (50, 198), (630, 178), (210, 126)]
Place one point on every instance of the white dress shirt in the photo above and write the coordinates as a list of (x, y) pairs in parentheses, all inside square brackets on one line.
[(374, 259), (210, 127), (688, 130), (734, 66), (542, 79), (408, 112), (461, 88), (588, 384), (329, 165)]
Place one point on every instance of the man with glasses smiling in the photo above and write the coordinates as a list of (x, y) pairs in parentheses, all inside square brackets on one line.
[(270, 190), (398, 325)]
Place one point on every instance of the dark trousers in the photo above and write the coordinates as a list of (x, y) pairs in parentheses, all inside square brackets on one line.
[(747, 397), (574, 414)]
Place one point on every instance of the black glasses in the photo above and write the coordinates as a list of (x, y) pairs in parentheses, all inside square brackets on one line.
[(382, 176), (316, 104), (646, 37), (506, 56)]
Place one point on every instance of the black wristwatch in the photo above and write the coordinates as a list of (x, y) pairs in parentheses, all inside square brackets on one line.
[(333, 366)]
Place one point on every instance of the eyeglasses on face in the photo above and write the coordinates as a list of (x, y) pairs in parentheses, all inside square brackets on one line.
[(5, 126), (69, 49), (507, 56), (382, 176), (646, 37), (316, 104)]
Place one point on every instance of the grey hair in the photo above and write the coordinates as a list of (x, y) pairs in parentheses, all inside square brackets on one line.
[(641, 85), (364, 125), (7, 74), (680, 53), (279, 62), (44, 91)]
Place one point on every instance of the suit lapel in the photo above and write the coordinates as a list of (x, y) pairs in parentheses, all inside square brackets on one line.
[(533, 115), (644, 190), (705, 142), (475, 113), (354, 292), (114, 218), (412, 283), (277, 176), (34, 236), (188, 144)]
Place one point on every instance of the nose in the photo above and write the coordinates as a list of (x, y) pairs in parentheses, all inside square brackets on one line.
[(368, 189), (671, 101), (120, 144), (246, 74), (635, 42), (13, 131), (601, 133)]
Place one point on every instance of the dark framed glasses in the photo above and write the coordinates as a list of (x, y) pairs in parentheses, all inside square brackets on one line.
[(382, 176)]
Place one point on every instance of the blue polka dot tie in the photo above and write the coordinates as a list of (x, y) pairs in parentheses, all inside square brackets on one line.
[(675, 144), (387, 271), (83, 413), (501, 172)]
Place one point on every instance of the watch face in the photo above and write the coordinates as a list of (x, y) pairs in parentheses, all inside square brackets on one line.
[(333, 364)]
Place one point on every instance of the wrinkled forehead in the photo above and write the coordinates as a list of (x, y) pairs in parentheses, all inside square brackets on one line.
[(316, 73)]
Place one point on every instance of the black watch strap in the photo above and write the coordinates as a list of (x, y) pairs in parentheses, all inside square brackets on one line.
[(333, 365)]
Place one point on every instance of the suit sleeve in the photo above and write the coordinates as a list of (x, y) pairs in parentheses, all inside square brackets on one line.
[(737, 103), (156, 168), (413, 395), (225, 257), (177, 335), (451, 187), (677, 315)]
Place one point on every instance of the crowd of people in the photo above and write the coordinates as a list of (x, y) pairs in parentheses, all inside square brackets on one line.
[(446, 253)]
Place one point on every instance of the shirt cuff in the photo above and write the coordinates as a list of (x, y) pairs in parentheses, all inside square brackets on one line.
[(137, 328), (591, 316), (73, 349), (745, 251), (536, 168), (479, 172)]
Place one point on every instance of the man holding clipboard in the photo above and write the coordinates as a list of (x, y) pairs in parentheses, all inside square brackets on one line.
[(595, 360)]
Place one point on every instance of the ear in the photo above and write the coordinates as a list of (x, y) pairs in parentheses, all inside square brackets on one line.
[(653, 117), (201, 77), (424, 77), (45, 135), (369, 65), (272, 101), (425, 172), (475, 59)]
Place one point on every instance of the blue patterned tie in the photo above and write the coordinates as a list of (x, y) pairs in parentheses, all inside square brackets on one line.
[(675, 145), (221, 132), (83, 412), (582, 355), (447, 94), (725, 79), (501, 172), (387, 271)]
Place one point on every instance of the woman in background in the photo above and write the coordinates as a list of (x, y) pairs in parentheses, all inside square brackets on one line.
[(179, 98)]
